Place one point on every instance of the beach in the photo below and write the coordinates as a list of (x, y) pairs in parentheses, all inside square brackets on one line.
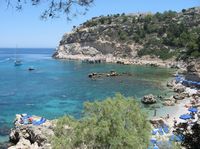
[(171, 117)]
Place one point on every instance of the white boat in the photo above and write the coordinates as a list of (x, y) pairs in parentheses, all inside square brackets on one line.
[(18, 62)]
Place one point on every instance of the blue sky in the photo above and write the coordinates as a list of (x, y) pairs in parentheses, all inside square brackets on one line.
[(25, 28)]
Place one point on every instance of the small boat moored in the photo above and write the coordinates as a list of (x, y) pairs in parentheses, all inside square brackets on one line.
[(18, 63), (31, 68)]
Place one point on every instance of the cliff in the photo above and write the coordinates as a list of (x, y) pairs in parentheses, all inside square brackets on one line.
[(159, 38)]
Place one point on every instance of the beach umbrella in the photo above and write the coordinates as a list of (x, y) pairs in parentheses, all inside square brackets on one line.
[(192, 109), (185, 116), (155, 147), (153, 140)]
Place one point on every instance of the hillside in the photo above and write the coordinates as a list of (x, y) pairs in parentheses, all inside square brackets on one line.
[(128, 38)]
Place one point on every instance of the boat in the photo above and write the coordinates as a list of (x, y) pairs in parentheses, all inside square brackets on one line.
[(18, 62), (31, 68)]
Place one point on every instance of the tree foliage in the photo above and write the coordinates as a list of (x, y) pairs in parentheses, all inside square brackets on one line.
[(165, 35), (191, 137), (113, 123), (54, 7)]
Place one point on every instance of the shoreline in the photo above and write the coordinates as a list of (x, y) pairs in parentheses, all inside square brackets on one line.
[(141, 61), (33, 130), (173, 112)]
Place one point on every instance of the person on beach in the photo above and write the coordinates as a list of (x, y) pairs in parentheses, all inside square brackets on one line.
[(21, 121), (193, 115), (175, 122), (167, 117), (155, 112)]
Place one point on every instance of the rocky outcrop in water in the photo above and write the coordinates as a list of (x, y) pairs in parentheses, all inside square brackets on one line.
[(149, 99)]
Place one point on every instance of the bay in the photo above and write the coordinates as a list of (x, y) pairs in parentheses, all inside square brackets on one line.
[(59, 87)]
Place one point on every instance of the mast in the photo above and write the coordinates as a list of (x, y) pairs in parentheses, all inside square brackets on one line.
[(16, 52)]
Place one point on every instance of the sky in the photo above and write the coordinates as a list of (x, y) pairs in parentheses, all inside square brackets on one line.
[(26, 30)]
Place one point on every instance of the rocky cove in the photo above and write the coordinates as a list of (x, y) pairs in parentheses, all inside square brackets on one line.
[(34, 137), (68, 97), (99, 43)]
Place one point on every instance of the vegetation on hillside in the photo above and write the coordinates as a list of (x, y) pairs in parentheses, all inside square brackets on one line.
[(165, 35), (116, 122)]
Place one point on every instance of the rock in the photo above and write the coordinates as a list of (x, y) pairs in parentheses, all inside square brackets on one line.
[(153, 65), (26, 144), (191, 92), (179, 96), (30, 135), (120, 62), (179, 88), (184, 95), (169, 103), (22, 144), (171, 83), (182, 71), (193, 70), (191, 67), (35, 146), (113, 73), (157, 121), (110, 74), (91, 75), (149, 99)]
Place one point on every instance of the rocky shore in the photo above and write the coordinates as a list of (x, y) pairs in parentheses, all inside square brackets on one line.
[(141, 39), (109, 58), (184, 98), (29, 136)]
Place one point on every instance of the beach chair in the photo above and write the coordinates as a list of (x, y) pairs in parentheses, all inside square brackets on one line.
[(176, 138), (166, 129), (179, 138), (160, 131), (41, 121), (153, 141), (154, 131)]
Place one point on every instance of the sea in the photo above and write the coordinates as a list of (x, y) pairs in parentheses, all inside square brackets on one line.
[(60, 87)]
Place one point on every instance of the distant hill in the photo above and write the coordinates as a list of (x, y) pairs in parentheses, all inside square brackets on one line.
[(164, 36)]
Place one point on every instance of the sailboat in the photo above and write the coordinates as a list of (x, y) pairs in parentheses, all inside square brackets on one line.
[(18, 62)]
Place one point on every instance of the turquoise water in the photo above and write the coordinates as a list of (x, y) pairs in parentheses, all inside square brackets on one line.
[(60, 87)]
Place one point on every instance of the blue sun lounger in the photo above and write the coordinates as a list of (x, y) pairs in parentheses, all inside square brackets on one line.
[(166, 129), (176, 138), (154, 131), (160, 131), (153, 140), (41, 121)]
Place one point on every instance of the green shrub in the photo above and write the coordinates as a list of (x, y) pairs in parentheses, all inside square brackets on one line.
[(161, 53), (114, 123), (195, 54)]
